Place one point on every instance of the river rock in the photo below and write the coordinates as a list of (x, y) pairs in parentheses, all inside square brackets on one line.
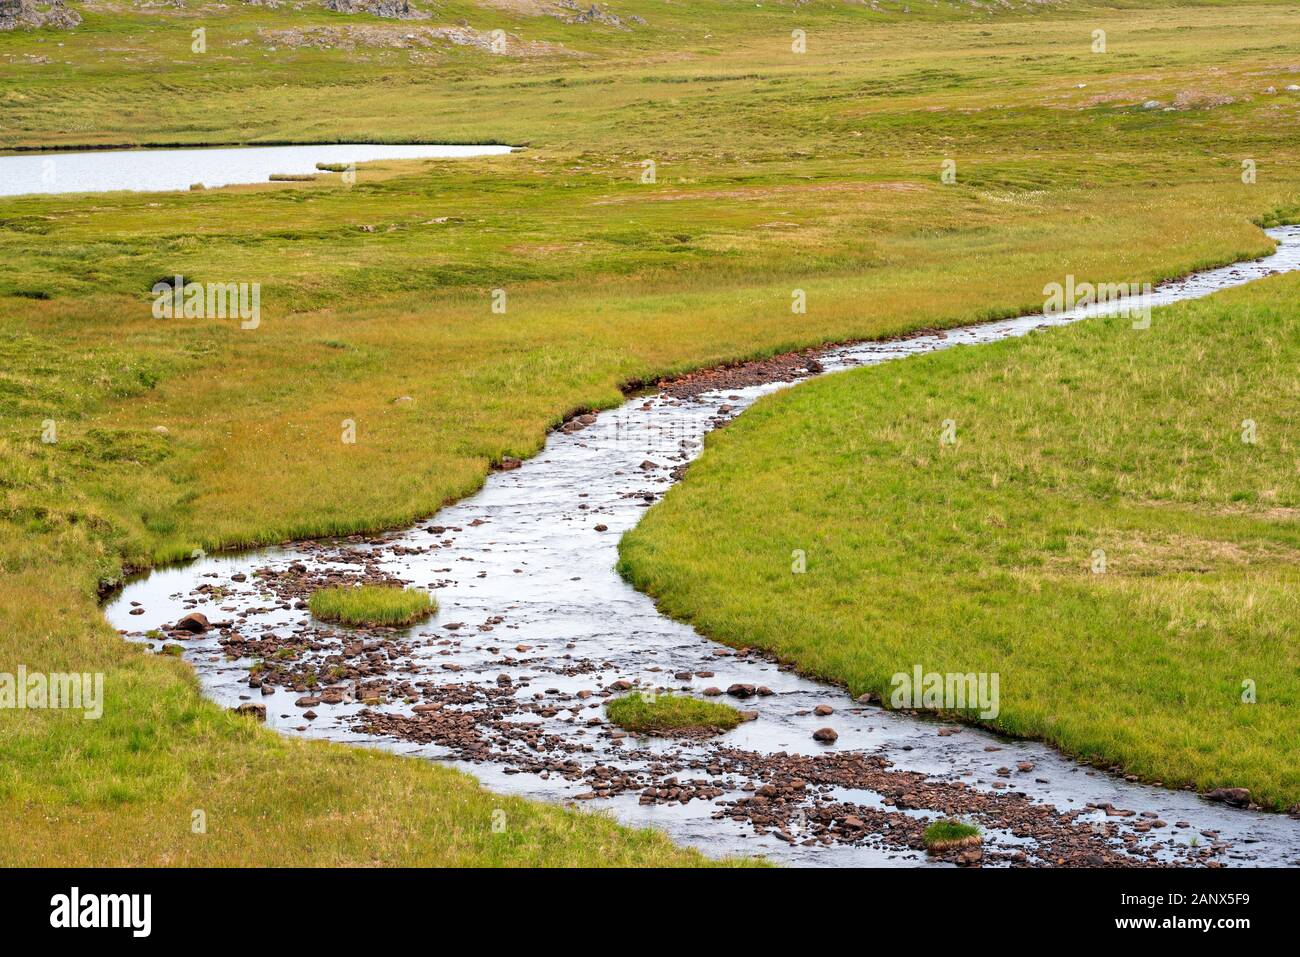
[(827, 735), (1237, 797), (249, 709), (196, 623)]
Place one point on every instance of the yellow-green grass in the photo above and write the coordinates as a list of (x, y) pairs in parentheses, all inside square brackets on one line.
[(944, 835), (371, 604), (127, 792), (670, 713), (823, 177), (1101, 535)]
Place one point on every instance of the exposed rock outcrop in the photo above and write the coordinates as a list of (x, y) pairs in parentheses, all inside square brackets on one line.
[(575, 12), (31, 14), (388, 9)]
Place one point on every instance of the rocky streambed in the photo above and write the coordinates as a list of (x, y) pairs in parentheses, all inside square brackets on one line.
[(536, 631)]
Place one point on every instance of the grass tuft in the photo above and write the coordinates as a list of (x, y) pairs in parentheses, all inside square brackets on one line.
[(371, 605), (670, 714), (945, 835)]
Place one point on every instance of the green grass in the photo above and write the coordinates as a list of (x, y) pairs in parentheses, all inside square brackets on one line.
[(371, 605), (942, 835), (668, 714), (824, 177), (1085, 443)]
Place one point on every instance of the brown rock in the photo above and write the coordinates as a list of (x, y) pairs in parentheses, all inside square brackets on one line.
[(196, 623), (1237, 797), (249, 709)]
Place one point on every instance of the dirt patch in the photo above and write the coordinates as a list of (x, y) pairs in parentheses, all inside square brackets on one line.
[(786, 367), (1197, 99), (403, 37), (527, 8), (783, 368), (1137, 555), (765, 192)]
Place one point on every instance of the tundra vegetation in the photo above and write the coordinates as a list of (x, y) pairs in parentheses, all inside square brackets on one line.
[(670, 714), (371, 604), (1113, 533), (683, 177), (945, 835)]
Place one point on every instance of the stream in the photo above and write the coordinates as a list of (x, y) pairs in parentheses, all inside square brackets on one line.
[(536, 631)]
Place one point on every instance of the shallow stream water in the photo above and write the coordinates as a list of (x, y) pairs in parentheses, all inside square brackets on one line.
[(532, 612)]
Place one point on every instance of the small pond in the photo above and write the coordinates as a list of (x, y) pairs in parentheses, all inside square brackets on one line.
[(154, 170)]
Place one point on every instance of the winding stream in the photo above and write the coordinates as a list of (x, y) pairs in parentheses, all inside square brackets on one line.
[(535, 627)]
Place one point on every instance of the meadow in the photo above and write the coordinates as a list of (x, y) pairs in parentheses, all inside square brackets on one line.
[(1112, 530), (774, 172)]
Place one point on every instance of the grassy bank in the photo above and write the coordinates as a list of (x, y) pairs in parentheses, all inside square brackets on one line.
[(775, 172), (1106, 534)]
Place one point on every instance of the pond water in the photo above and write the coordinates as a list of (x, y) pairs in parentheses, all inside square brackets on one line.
[(156, 170)]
